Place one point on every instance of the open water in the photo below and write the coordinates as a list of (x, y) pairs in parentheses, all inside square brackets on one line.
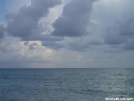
[(65, 84)]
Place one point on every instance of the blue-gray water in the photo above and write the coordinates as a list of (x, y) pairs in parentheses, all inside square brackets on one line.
[(65, 84)]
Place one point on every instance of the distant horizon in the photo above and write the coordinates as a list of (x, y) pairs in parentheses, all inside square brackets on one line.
[(67, 68)]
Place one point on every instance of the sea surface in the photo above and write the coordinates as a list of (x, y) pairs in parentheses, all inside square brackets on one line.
[(65, 84)]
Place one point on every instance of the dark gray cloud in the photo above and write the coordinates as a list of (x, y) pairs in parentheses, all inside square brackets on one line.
[(113, 36), (83, 46), (114, 50), (127, 28), (2, 30), (25, 24), (52, 44), (25, 21), (129, 45), (122, 34), (94, 42), (73, 22), (79, 46), (74, 19)]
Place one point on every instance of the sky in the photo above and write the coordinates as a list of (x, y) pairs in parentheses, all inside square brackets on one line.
[(66, 34)]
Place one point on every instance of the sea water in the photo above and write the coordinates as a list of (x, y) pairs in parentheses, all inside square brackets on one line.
[(66, 84)]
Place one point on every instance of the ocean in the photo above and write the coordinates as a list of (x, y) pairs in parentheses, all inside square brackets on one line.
[(65, 84)]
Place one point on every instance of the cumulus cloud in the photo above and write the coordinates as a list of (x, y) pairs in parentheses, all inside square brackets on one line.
[(25, 21), (23, 54), (26, 24), (44, 23), (74, 19)]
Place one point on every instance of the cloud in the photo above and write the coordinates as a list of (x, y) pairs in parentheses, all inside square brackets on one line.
[(121, 33), (79, 46), (23, 54), (83, 44), (117, 50), (26, 43), (113, 36), (52, 44), (33, 46), (41, 37), (127, 28), (74, 19), (108, 11), (3, 49), (24, 22), (16, 4), (94, 42), (2, 30), (129, 45)]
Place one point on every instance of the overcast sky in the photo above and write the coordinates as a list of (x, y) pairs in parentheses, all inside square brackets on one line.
[(66, 33)]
